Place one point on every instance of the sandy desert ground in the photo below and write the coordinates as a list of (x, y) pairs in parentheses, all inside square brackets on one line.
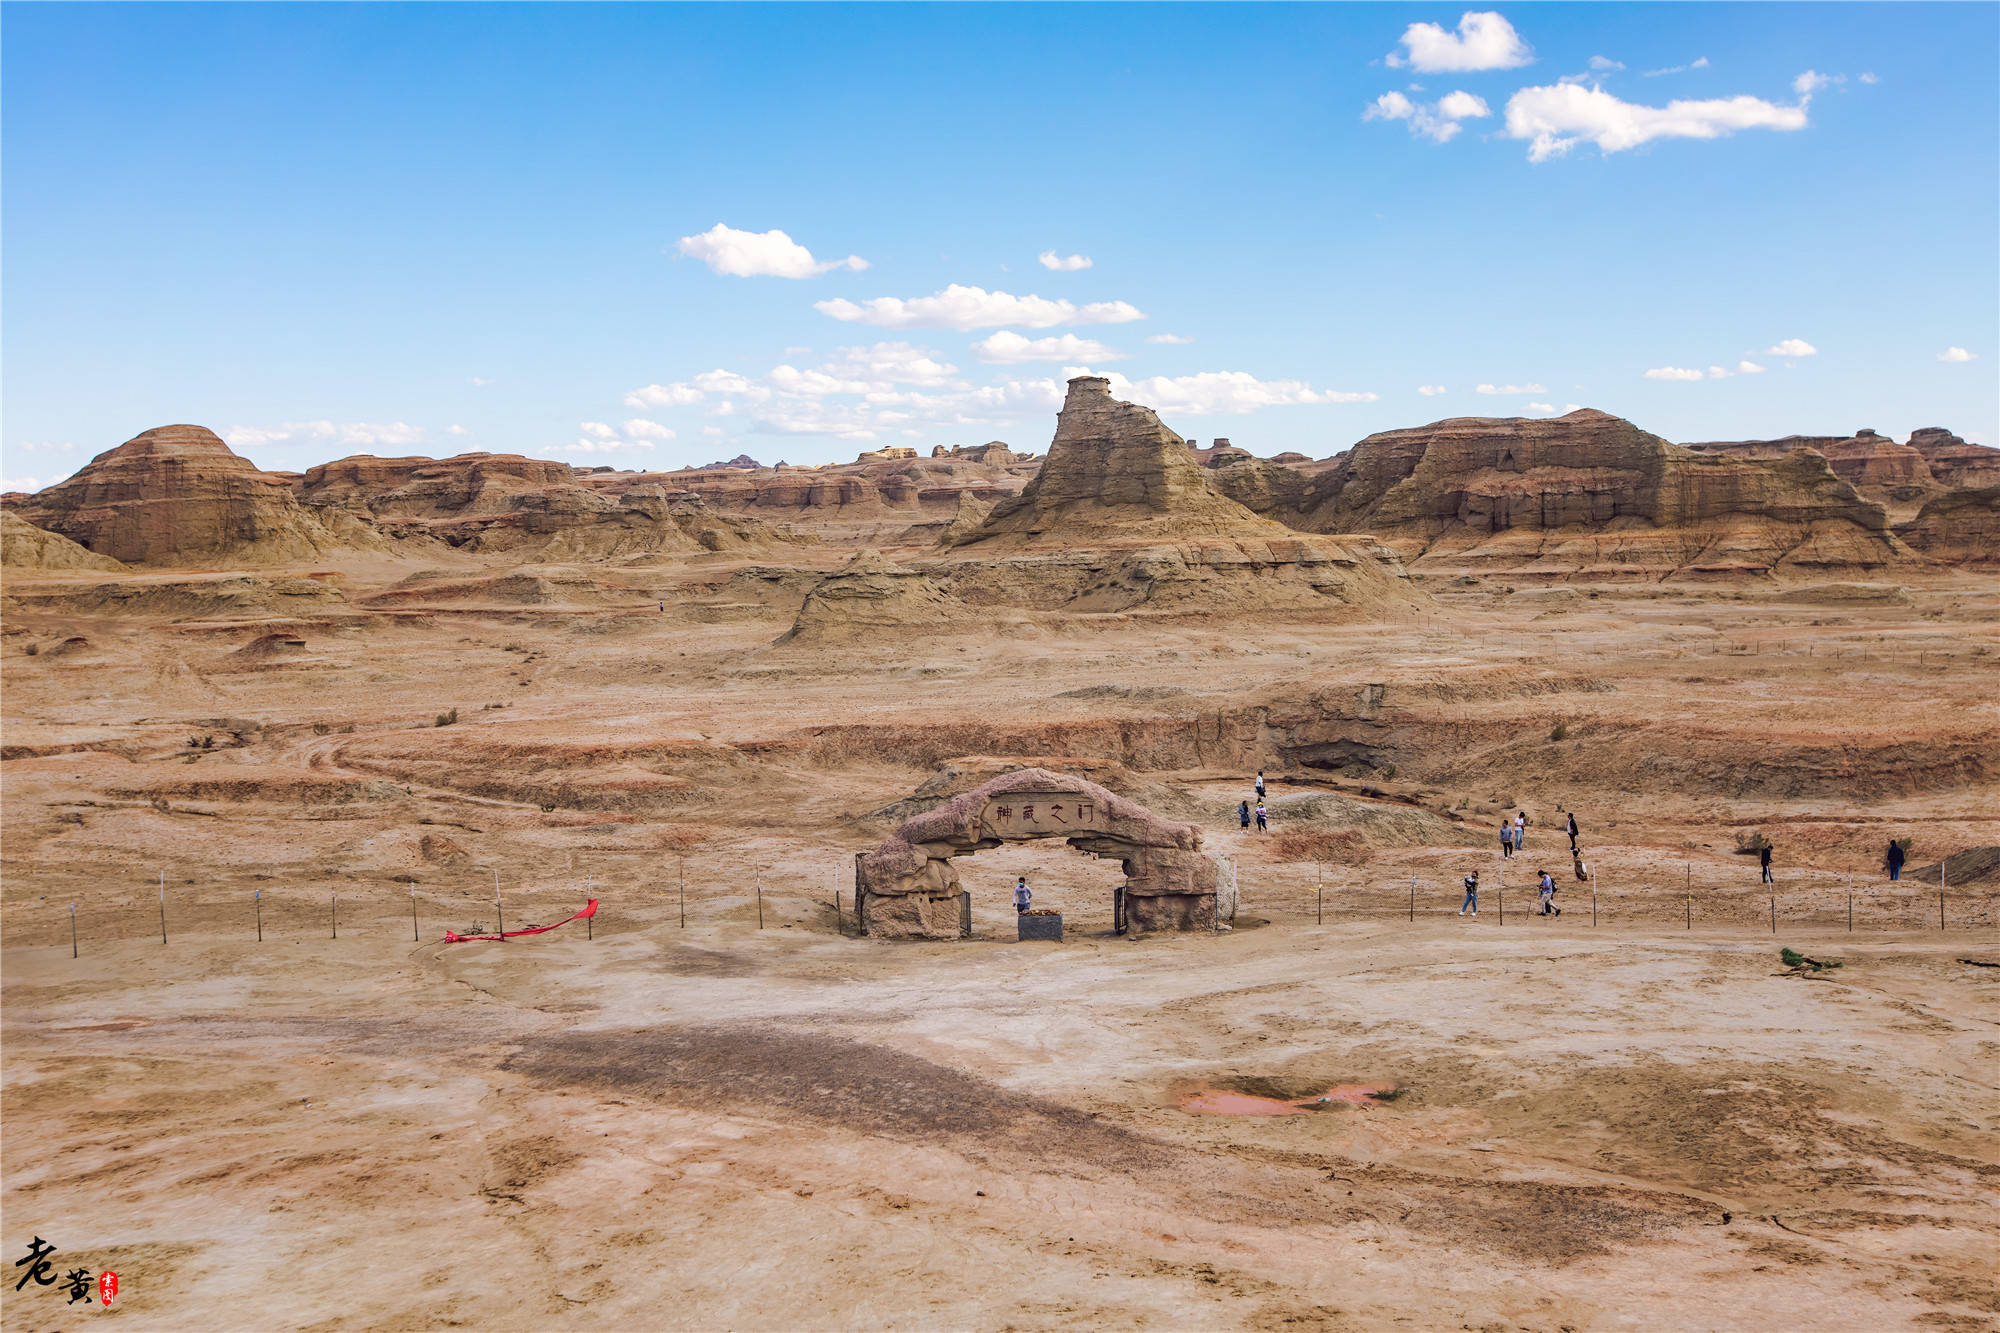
[(1632, 1124)]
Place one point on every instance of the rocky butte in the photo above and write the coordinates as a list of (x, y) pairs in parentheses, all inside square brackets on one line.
[(177, 495)]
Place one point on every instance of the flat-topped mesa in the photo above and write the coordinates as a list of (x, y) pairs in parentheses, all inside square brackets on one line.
[(429, 487), (179, 495), (1115, 473), (1606, 492)]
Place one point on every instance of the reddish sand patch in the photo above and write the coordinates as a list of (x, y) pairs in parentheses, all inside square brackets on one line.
[(1215, 1101)]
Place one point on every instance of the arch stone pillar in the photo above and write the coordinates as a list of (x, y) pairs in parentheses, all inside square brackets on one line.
[(908, 887)]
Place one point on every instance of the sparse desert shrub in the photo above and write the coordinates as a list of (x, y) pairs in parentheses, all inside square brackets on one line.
[(1560, 732), (1751, 842), (33, 650), (1389, 773), (1906, 844), (447, 719), (547, 806), (1797, 961), (347, 730), (321, 728)]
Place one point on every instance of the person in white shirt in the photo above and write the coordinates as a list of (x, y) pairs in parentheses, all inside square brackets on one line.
[(1022, 897)]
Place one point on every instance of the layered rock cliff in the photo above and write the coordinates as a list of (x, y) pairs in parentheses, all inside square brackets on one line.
[(1954, 462), (177, 495), (478, 483), (1959, 527), (1590, 491)]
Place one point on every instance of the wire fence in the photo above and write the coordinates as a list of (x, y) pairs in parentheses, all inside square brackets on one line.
[(822, 901)]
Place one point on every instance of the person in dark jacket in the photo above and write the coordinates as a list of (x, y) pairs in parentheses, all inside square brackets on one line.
[(1243, 813), (1764, 860), (1895, 859), (1572, 831)]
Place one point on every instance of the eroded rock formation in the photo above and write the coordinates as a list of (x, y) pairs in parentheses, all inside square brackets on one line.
[(1960, 527), (908, 887), (1592, 492), (23, 546), (868, 595), (1953, 461), (177, 495)]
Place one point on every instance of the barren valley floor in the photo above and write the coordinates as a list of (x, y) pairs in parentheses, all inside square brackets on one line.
[(1649, 1123)]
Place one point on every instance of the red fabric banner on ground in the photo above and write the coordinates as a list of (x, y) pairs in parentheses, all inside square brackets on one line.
[(453, 937)]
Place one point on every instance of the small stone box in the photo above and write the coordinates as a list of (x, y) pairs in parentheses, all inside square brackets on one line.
[(1041, 927)]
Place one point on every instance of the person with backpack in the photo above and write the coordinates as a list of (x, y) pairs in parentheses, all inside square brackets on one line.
[(1764, 862), (1506, 839), (1895, 860), (1549, 907), (1262, 825), (1471, 902), (1243, 813), (1022, 895)]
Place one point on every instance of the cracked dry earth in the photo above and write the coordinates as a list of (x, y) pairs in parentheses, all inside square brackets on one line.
[(715, 1126)]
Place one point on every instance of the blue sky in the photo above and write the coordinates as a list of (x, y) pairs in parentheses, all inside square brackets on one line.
[(335, 229)]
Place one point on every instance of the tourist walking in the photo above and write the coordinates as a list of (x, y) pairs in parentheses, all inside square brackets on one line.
[(1895, 859), (1764, 861), (1521, 831), (1022, 897), (1262, 825), (1572, 832), (1549, 907), (1260, 784), (1506, 839), (1471, 903), (1243, 813)]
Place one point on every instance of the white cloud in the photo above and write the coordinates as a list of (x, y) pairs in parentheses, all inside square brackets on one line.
[(711, 431), (663, 395), (638, 428), (1218, 391), (1069, 264), (891, 362), (1673, 373), (47, 446), (456, 430), (1811, 82), (1869, 77), (1436, 121), (751, 254), (28, 484), (1170, 339), (1720, 372), (1555, 119), (1793, 347), (1749, 368), (1430, 390), (598, 430), (965, 308), (1007, 348), (353, 434), (1702, 63), (1948, 354), (1604, 64), (1497, 390), (1483, 41), (1546, 409), (1572, 407), (479, 382), (1462, 105)]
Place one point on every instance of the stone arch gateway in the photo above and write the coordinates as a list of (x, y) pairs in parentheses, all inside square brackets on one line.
[(908, 887)]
